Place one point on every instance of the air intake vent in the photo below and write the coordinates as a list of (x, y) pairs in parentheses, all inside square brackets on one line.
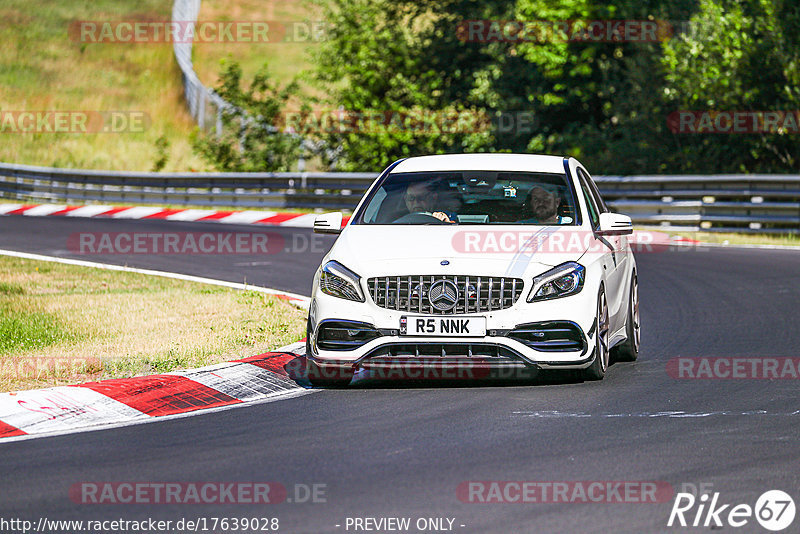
[(551, 336)]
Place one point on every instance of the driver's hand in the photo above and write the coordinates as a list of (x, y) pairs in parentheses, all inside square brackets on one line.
[(442, 217)]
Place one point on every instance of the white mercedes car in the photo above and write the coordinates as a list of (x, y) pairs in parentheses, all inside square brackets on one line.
[(476, 261)]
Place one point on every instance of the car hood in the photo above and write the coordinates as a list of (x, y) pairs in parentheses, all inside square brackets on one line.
[(384, 250)]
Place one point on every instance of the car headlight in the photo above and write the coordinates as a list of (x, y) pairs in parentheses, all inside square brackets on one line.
[(566, 279), (339, 281)]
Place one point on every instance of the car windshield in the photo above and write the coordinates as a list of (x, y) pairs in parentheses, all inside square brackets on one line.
[(471, 197)]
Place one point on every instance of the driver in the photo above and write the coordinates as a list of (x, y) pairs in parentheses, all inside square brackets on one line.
[(542, 207), (423, 197)]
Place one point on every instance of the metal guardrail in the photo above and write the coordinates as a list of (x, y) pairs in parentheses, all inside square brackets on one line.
[(239, 190), (756, 203), (741, 203), (204, 103)]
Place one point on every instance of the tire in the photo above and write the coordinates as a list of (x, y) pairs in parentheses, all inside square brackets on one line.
[(629, 350), (597, 370)]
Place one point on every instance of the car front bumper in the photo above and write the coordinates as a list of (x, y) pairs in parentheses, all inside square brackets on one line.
[(554, 334)]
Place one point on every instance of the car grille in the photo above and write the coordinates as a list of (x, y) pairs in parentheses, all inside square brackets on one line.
[(476, 294)]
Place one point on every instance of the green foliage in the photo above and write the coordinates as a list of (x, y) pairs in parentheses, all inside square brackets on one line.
[(249, 141), (162, 154), (607, 103), (745, 56), (405, 58), (602, 101)]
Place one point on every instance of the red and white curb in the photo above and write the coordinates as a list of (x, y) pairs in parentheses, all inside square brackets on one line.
[(129, 401), (272, 218), (277, 218)]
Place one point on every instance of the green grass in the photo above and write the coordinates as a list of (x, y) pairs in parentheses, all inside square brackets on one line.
[(286, 60), (10, 289), (64, 324), (24, 330), (42, 68), (23, 325)]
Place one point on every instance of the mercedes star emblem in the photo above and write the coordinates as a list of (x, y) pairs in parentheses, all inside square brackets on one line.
[(443, 295)]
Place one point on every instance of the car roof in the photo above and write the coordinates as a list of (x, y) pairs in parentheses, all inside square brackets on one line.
[(482, 162)]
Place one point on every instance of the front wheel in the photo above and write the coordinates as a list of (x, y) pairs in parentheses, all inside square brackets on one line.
[(597, 370), (629, 350)]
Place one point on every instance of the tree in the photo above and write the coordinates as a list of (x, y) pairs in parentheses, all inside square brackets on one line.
[(404, 59), (601, 100), (605, 101), (737, 56), (251, 139)]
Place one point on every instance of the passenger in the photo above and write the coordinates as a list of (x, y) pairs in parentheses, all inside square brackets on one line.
[(541, 207)]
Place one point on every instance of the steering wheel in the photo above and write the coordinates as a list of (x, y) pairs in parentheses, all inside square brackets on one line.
[(418, 217)]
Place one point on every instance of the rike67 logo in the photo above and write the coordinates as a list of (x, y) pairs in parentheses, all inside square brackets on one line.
[(774, 510)]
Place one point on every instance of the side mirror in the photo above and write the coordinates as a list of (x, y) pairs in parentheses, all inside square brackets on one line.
[(615, 224), (328, 223)]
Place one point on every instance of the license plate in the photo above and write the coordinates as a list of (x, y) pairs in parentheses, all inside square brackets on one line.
[(442, 326)]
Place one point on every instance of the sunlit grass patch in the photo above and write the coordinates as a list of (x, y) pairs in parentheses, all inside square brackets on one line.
[(44, 67), (63, 324)]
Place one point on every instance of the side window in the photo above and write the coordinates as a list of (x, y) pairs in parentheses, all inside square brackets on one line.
[(371, 212), (601, 205), (594, 214)]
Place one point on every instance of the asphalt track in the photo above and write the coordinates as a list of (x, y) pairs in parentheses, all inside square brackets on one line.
[(401, 450)]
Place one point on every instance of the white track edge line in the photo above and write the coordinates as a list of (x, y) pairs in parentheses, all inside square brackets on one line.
[(278, 396), (302, 301)]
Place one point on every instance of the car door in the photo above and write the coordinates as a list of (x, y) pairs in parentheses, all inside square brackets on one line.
[(623, 248), (613, 256)]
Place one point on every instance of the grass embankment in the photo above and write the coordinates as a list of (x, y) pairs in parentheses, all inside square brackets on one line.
[(63, 324), (287, 58), (296, 28), (44, 67)]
